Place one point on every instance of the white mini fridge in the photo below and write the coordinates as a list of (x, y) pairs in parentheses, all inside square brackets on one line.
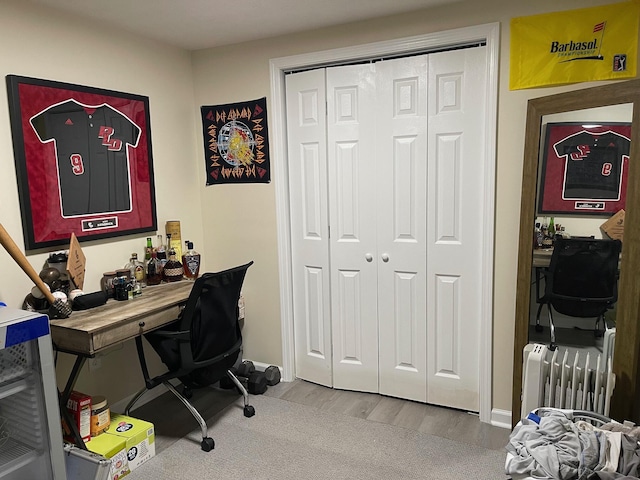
[(31, 444)]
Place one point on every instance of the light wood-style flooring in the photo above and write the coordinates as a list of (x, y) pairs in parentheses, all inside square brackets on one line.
[(173, 421)]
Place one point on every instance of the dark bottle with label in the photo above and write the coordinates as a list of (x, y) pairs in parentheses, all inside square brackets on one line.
[(172, 271), (154, 270), (191, 262)]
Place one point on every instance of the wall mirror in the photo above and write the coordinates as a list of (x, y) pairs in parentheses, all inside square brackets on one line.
[(622, 101)]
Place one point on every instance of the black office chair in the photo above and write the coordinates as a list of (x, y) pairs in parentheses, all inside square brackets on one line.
[(582, 280), (202, 345)]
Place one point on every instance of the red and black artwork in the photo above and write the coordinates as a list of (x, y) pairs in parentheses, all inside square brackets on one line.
[(236, 142), (83, 161), (584, 168)]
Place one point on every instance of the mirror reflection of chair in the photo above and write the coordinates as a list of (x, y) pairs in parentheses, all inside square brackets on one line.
[(202, 345), (582, 279)]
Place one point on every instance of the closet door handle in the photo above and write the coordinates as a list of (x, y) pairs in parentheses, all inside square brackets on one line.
[(369, 257), (385, 257)]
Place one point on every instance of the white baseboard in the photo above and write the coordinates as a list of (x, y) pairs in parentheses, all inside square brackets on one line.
[(501, 418), (263, 366)]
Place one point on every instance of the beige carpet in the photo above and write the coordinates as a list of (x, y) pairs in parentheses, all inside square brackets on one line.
[(287, 440)]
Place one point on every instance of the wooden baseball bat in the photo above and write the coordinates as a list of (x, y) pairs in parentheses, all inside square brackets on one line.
[(60, 308)]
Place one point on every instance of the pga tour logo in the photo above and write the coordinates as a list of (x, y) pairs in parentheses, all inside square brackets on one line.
[(619, 63)]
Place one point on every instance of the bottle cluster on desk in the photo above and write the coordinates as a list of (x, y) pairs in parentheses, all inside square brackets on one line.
[(161, 264), (545, 233)]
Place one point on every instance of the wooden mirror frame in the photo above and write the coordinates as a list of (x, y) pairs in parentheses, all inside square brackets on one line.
[(625, 404)]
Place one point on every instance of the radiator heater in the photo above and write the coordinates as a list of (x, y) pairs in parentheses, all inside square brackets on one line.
[(551, 379)]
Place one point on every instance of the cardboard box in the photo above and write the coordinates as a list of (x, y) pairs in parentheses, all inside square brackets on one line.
[(614, 227), (79, 406), (114, 448), (172, 228), (139, 437)]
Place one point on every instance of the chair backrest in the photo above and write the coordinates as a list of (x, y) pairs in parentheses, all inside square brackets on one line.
[(583, 276), (211, 314)]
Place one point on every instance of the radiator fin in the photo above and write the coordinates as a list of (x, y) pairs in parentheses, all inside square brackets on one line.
[(551, 379)]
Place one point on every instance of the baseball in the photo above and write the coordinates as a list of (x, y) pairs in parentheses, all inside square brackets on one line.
[(35, 291), (60, 295), (75, 293)]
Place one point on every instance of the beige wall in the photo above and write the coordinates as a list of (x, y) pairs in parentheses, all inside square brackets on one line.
[(232, 224), (241, 72), (40, 43)]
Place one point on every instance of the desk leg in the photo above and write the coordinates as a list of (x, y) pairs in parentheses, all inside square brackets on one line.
[(64, 398)]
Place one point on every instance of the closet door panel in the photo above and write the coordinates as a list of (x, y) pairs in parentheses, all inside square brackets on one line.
[(455, 202), (307, 137), (351, 135), (401, 200)]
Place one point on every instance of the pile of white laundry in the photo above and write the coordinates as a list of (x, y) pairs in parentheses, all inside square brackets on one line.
[(556, 444)]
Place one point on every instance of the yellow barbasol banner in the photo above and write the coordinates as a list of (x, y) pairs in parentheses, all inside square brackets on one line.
[(599, 43)]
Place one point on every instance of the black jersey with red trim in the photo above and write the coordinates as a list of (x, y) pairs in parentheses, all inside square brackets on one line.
[(91, 145), (594, 165)]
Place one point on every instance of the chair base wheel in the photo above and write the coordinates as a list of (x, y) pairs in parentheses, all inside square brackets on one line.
[(187, 392), (249, 411), (207, 444), (539, 328)]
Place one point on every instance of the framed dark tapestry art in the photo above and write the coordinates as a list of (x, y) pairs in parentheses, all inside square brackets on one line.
[(83, 161), (584, 168), (236, 142)]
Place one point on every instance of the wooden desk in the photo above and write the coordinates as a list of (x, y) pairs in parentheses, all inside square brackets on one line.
[(88, 332), (542, 257)]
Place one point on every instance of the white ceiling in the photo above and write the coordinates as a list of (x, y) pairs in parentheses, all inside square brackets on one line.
[(197, 24)]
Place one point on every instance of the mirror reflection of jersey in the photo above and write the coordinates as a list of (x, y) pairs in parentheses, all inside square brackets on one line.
[(91, 145), (593, 165)]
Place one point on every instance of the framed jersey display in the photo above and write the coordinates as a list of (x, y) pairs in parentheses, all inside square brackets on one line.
[(83, 161), (584, 168)]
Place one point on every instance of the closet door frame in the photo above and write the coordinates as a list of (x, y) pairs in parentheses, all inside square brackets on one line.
[(488, 34)]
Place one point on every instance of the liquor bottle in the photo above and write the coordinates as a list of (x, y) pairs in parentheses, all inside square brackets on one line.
[(558, 232), (161, 252), (537, 236), (544, 230), (137, 288), (154, 270), (191, 262), (148, 250), (172, 271), (546, 239), (552, 229), (136, 267), (167, 246)]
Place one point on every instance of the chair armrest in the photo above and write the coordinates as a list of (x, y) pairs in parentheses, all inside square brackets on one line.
[(171, 333)]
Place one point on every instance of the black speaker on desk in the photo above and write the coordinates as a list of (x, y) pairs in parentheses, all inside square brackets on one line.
[(89, 300)]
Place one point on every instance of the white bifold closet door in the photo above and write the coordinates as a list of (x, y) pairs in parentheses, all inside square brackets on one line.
[(385, 209)]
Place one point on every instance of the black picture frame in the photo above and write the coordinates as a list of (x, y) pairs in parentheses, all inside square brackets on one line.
[(584, 168), (83, 161)]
